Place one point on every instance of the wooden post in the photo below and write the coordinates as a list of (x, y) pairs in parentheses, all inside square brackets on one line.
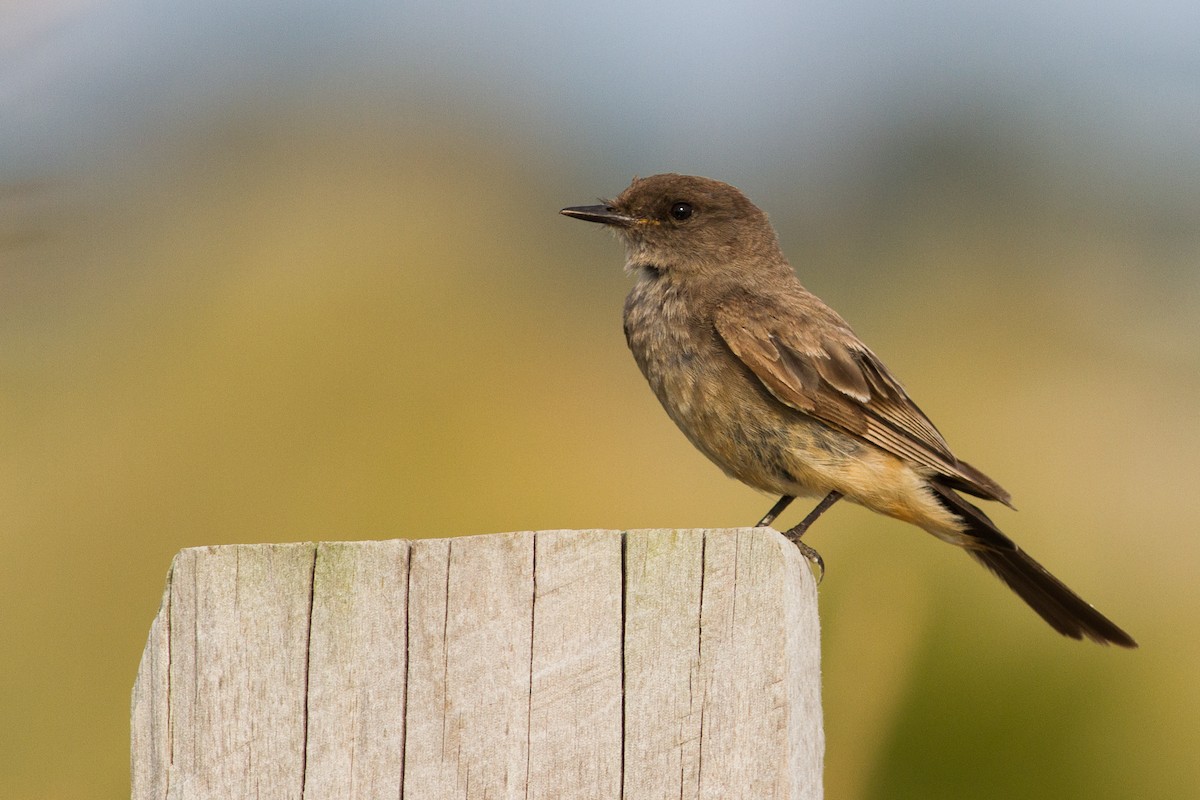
[(558, 664)]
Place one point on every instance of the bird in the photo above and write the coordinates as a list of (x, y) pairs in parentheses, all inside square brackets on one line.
[(774, 387)]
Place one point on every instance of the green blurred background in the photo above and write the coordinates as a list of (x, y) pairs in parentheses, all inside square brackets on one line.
[(280, 272)]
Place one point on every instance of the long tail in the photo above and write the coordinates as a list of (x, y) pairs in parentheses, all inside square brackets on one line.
[(1067, 612)]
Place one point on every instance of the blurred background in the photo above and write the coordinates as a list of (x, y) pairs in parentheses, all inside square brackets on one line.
[(291, 271)]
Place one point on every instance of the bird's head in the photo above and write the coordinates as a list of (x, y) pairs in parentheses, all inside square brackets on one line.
[(686, 225)]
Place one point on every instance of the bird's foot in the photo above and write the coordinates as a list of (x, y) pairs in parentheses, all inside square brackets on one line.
[(814, 558), (795, 533)]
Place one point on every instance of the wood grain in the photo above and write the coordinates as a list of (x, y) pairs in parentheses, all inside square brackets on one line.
[(555, 664)]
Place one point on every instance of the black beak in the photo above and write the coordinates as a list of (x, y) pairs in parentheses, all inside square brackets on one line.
[(605, 215)]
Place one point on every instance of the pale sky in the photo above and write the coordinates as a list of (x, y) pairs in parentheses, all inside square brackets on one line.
[(716, 78)]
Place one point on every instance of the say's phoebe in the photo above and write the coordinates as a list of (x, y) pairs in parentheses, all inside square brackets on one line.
[(773, 386)]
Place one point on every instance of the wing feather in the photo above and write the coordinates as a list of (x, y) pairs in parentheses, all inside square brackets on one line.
[(824, 371)]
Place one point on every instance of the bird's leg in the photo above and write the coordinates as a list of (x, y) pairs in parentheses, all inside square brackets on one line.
[(795, 533), (775, 511)]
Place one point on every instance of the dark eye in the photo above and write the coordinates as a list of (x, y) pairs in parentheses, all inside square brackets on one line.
[(681, 211)]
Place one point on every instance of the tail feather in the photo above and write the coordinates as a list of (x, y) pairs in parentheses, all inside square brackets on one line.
[(1065, 611)]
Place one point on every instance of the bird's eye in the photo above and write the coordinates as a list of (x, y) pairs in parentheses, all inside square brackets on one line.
[(681, 211)]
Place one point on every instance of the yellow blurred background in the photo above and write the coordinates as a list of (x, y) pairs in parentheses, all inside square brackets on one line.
[(276, 274)]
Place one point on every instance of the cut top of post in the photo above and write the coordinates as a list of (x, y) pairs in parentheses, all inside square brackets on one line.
[(551, 664)]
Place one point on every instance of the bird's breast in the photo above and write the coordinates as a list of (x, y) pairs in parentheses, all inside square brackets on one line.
[(713, 398), (673, 345)]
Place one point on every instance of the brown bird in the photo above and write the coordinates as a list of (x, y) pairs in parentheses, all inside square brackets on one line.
[(776, 389)]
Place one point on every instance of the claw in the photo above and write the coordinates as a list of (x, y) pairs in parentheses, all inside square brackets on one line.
[(795, 533), (811, 554)]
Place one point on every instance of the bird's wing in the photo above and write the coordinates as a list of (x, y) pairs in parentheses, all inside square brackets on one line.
[(833, 377)]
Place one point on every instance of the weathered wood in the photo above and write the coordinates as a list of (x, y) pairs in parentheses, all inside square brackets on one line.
[(149, 746), (575, 697), (557, 664), (356, 670), (664, 572), (468, 680), (722, 692)]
